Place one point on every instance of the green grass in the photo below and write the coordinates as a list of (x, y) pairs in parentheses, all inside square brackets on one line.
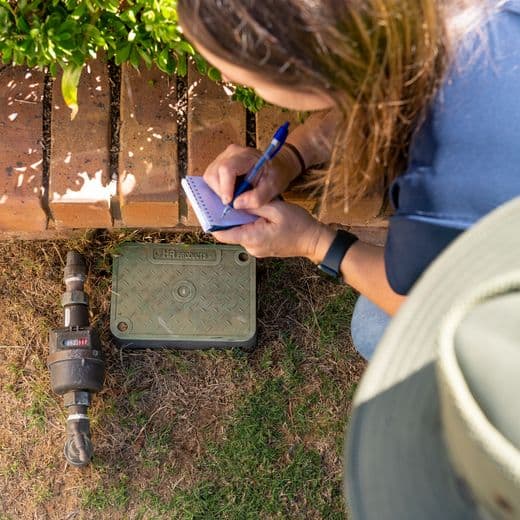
[(115, 496), (39, 404), (256, 472), (43, 492), (156, 447), (335, 317)]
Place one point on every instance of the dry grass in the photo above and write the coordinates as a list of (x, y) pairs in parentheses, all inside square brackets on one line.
[(169, 426)]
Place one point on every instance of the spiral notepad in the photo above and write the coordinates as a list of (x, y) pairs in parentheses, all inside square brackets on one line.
[(209, 208)]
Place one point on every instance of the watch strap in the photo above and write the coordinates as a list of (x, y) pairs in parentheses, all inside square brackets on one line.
[(338, 249)]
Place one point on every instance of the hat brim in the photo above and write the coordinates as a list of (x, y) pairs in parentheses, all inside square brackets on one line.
[(397, 466)]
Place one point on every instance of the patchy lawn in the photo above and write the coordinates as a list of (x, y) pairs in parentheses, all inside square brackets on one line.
[(188, 435)]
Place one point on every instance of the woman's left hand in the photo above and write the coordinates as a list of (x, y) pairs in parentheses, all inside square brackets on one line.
[(282, 230)]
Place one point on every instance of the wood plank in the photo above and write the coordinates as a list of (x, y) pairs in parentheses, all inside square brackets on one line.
[(267, 121), (21, 151), (80, 188), (148, 172), (214, 122), (375, 235), (363, 213)]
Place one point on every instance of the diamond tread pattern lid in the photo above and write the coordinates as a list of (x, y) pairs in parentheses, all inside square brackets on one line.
[(183, 296)]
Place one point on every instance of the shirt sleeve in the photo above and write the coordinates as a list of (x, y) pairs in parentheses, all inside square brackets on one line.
[(413, 242)]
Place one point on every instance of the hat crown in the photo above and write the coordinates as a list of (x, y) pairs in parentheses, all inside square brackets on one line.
[(487, 348), (478, 386)]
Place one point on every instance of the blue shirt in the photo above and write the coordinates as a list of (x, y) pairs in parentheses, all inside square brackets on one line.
[(465, 158)]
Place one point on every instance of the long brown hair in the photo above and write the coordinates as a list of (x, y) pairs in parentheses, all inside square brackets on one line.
[(380, 60)]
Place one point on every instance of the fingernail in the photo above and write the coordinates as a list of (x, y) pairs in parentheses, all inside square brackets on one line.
[(238, 204)]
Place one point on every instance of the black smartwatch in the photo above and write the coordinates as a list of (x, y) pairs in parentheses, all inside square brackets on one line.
[(337, 250)]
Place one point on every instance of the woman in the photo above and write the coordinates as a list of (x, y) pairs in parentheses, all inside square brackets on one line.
[(378, 71)]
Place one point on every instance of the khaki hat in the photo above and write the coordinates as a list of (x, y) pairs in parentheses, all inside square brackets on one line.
[(435, 430)]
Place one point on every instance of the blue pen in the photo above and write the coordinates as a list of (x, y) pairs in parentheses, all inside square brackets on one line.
[(248, 183)]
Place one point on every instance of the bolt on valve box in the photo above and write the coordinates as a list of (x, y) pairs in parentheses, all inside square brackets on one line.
[(183, 296)]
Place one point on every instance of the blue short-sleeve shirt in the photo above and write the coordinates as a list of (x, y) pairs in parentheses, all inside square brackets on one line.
[(465, 157)]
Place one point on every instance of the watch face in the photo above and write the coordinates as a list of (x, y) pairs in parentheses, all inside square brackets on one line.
[(326, 269)]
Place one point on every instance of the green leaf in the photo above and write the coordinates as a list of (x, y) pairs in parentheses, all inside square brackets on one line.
[(134, 58), (184, 46), (148, 17), (201, 64), (22, 24), (7, 54), (165, 61), (18, 57), (25, 46), (129, 15), (123, 53), (69, 87), (145, 57), (51, 51), (214, 74), (63, 36), (79, 12)]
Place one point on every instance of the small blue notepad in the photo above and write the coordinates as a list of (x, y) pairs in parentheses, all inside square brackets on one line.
[(209, 208)]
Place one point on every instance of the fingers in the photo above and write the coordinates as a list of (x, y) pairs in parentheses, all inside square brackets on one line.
[(282, 229), (236, 235), (258, 196), (227, 236), (211, 177), (243, 234), (221, 174), (270, 212), (227, 174)]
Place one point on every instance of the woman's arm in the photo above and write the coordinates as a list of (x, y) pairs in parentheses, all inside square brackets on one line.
[(314, 138), (363, 268)]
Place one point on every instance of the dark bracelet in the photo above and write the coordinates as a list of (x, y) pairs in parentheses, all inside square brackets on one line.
[(296, 152)]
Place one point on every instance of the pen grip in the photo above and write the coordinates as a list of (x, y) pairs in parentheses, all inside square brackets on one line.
[(242, 188)]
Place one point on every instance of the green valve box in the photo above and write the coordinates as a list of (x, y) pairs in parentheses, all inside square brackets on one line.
[(183, 296)]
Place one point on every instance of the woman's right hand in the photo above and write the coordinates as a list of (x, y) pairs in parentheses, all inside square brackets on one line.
[(236, 160)]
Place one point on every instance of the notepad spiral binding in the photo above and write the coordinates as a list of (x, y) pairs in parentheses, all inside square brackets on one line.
[(201, 202)]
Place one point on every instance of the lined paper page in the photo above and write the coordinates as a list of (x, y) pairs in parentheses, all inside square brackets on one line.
[(209, 208)]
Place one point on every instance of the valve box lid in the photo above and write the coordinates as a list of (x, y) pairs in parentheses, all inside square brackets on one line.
[(183, 296)]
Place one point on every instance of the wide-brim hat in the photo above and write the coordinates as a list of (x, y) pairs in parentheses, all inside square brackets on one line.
[(435, 428)]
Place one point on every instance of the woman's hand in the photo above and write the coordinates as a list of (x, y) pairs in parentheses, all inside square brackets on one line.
[(287, 230), (282, 230), (237, 160)]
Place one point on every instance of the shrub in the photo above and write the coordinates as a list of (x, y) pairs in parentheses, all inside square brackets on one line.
[(67, 33)]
